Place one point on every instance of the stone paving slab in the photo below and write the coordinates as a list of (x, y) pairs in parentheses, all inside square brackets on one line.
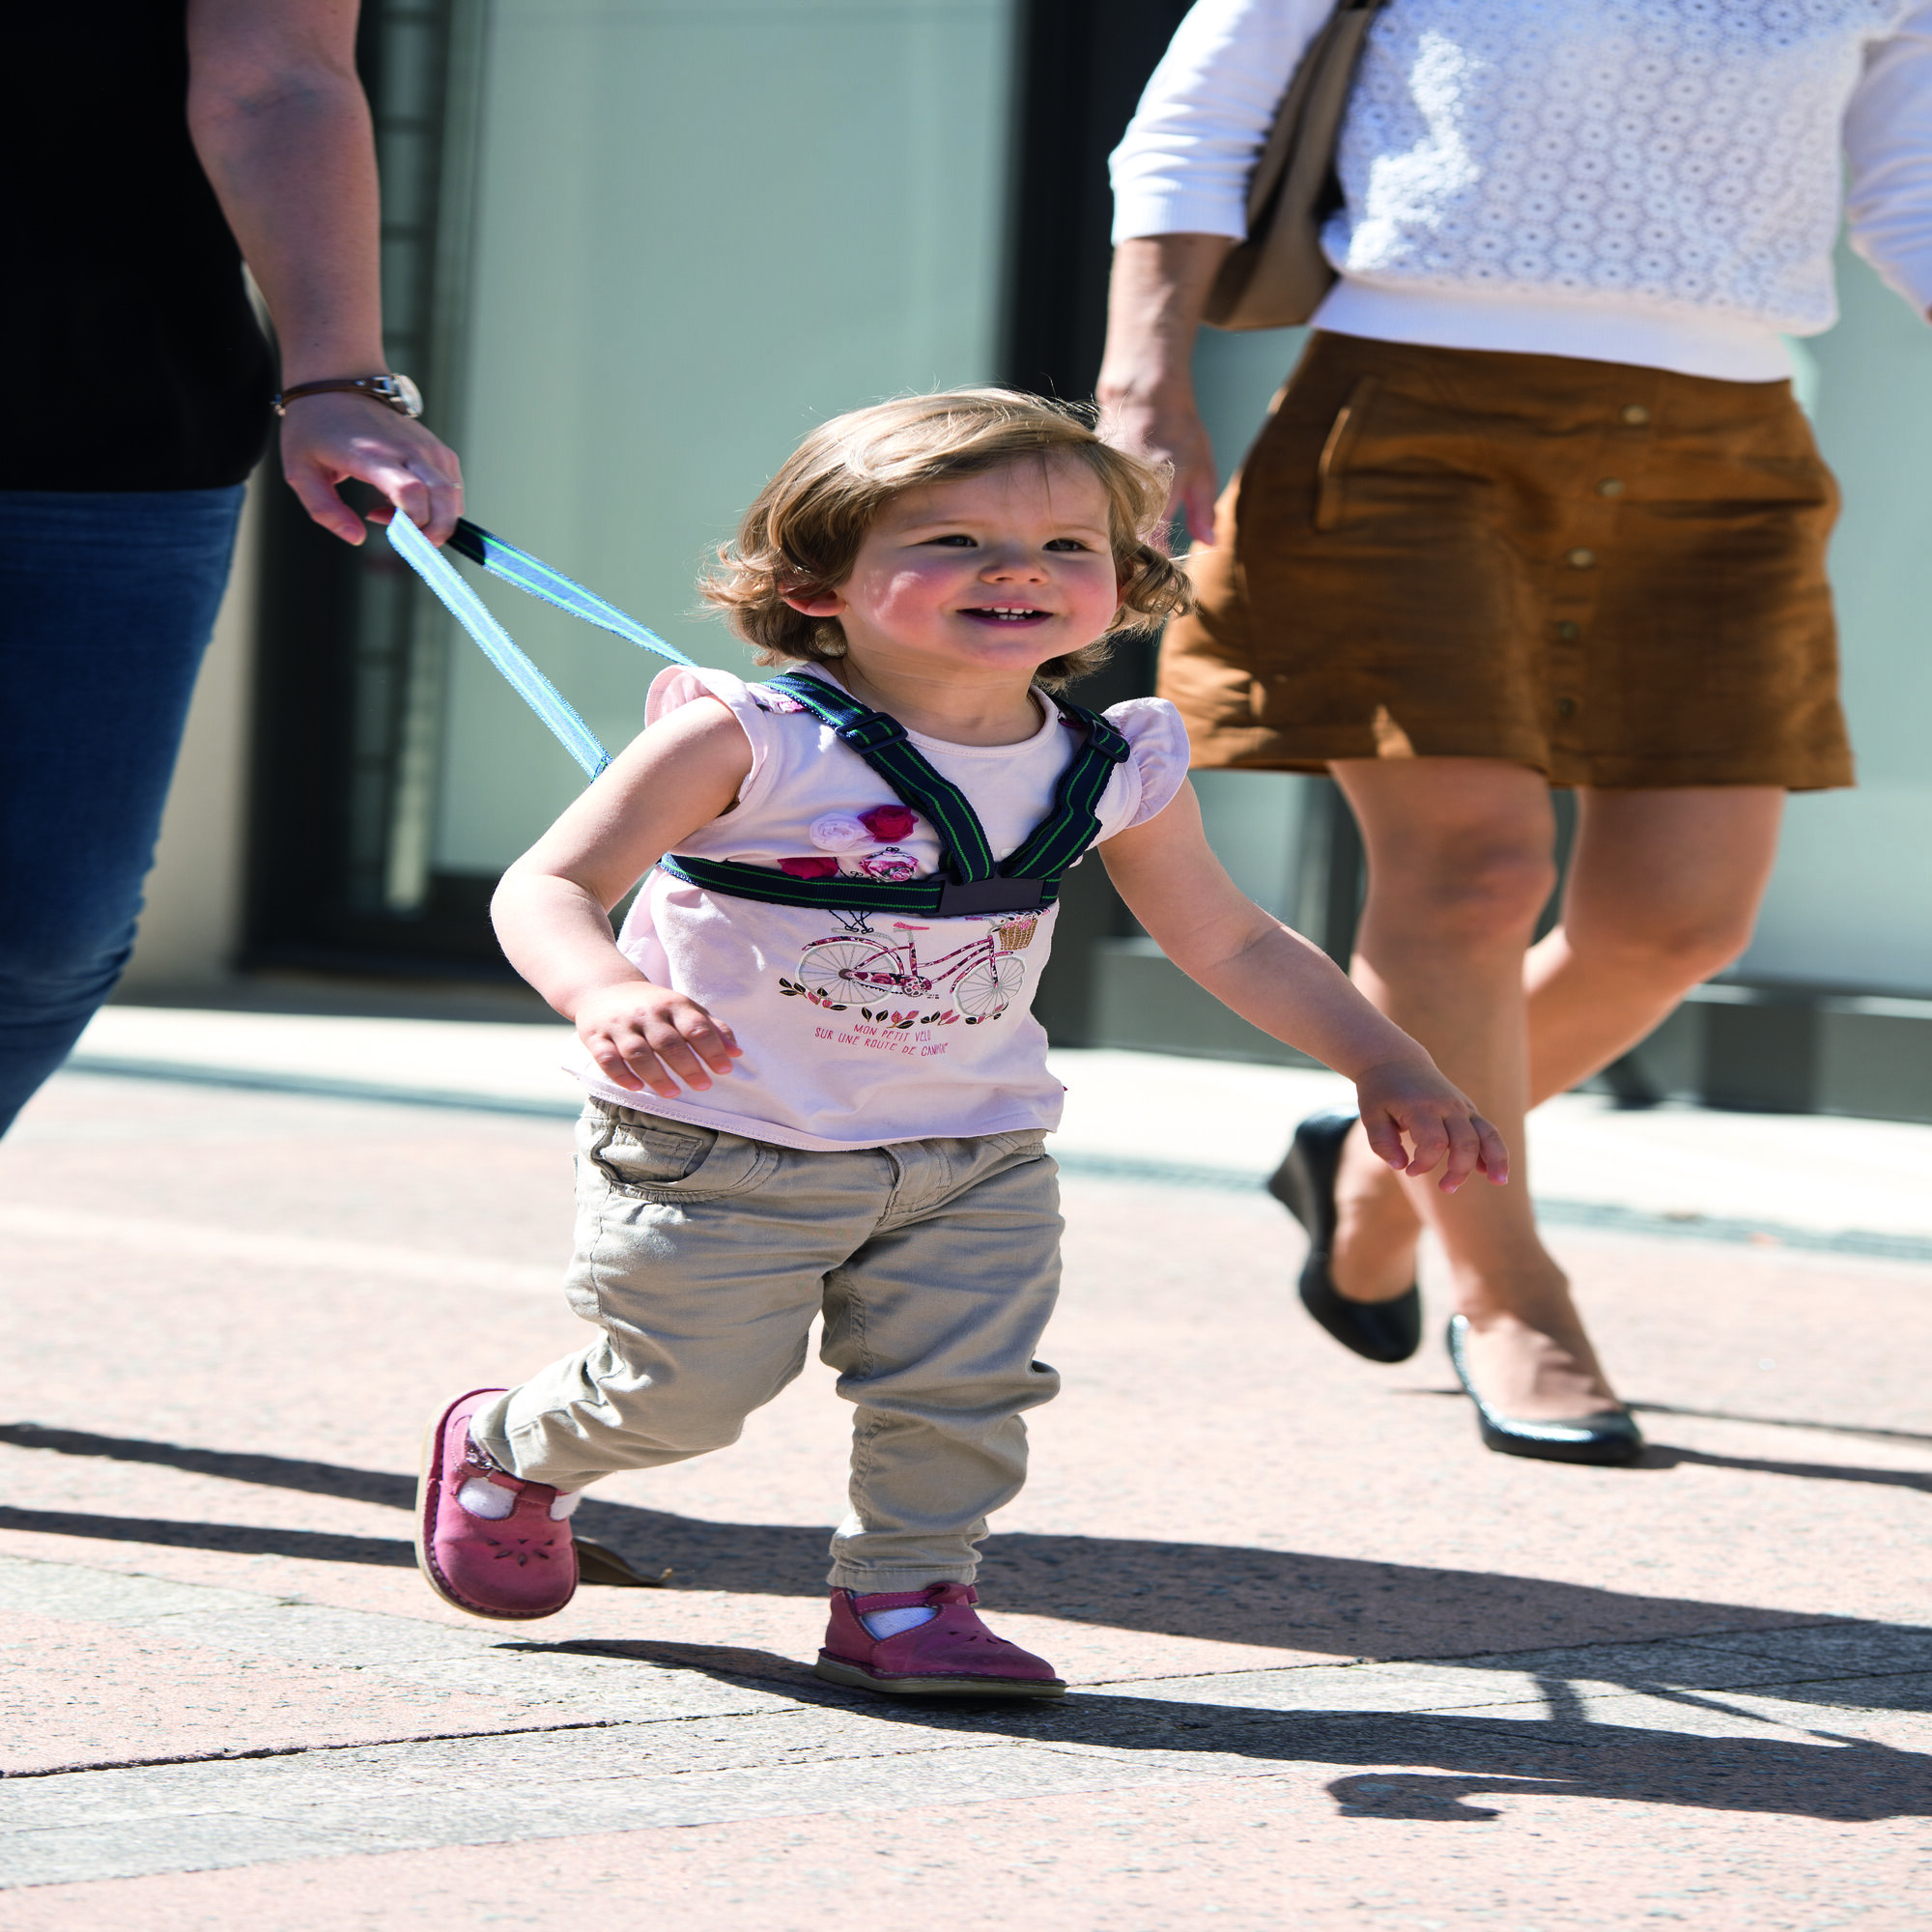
[(1836, 1650), (819, 1756), (1695, 1690), (498, 1790), (1890, 1739), (1249, 1855), (1525, 1677), (96, 1667), (88, 1693)]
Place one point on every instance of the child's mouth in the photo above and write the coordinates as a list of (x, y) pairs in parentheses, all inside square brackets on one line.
[(1007, 613)]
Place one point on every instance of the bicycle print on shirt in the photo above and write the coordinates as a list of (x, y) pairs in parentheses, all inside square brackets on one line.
[(860, 968)]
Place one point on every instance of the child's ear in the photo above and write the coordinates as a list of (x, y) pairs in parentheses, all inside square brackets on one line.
[(816, 604)]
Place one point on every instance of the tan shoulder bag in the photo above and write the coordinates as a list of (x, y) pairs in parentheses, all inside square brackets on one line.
[(1279, 274)]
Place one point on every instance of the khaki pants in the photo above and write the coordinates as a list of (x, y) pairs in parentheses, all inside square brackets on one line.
[(704, 1257)]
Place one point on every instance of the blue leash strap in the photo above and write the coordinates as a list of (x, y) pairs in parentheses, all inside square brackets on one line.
[(526, 679), (527, 572)]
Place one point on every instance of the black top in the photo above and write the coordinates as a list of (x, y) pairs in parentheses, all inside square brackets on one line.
[(132, 358)]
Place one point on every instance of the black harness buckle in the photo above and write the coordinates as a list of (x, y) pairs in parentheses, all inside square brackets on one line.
[(970, 898)]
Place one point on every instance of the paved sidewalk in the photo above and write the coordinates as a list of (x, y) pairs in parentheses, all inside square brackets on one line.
[(1857, 1186), (1336, 1667)]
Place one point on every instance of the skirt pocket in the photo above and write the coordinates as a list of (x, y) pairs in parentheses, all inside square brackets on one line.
[(1331, 470)]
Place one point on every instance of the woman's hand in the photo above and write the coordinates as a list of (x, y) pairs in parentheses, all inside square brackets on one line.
[(1412, 1100), (1146, 391), (329, 438), (1165, 426), (647, 1037)]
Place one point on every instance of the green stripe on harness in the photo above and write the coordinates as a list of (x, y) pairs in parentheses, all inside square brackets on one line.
[(882, 742)]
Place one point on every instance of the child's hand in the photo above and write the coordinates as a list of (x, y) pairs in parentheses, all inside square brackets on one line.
[(642, 1036), (1406, 1098)]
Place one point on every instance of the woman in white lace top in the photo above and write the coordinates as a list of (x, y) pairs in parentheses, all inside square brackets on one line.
[(1537, 507)]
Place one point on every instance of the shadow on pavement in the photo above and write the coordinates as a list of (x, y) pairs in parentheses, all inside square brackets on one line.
[(1337, 1606), (613, 1522), (1847, 1781), (281, 1472), (1868, 1434), (234, 1538), (1658, 1458)]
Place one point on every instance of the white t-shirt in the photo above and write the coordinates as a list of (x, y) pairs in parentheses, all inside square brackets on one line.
[(859, 1029)]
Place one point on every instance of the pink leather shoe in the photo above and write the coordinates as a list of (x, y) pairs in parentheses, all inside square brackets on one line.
[(523, 1564), (953, 1655)]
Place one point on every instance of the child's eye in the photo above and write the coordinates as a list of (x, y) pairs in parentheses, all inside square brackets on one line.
[(1069, 543), (957, 540)]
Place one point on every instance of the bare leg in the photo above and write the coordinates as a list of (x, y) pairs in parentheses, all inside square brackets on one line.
[(1663, 887), (1459, 867), (1663, 890)]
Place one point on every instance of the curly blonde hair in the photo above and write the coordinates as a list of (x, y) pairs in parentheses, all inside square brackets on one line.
[(802, 535)]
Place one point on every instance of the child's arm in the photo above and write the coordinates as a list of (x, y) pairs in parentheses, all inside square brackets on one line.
[(1195, 914), (551, 910)]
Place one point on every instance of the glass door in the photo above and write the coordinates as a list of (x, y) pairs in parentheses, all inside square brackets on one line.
[(634, 249)]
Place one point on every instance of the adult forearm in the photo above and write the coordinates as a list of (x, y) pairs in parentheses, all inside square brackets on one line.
[(1155, 300), (1147, 383), (294, 168), (279, 120)]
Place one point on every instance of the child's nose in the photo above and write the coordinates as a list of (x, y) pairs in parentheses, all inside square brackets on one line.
[(1012, 563)]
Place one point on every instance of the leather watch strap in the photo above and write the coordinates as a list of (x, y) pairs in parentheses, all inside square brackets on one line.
[(396, 392)]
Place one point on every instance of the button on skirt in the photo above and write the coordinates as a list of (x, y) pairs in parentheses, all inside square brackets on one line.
[(1612, 574)]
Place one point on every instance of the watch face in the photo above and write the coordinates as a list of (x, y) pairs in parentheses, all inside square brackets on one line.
[(405, 392)]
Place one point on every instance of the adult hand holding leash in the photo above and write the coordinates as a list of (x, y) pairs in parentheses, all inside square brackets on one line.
[(330, 438)]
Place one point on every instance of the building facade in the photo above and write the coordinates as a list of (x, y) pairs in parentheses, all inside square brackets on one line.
[(631, 249)]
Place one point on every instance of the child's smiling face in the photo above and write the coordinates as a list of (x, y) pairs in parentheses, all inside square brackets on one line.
[(991, 574)]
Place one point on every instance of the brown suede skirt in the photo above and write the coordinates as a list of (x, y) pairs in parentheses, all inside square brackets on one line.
[(1612, 574)]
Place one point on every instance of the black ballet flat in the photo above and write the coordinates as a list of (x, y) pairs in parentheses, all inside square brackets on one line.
[(1609, 1437), (1304, 1184)]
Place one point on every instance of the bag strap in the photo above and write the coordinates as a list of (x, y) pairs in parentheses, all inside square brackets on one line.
[(1277, 274)]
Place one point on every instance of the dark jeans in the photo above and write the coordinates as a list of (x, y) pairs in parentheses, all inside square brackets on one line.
[(106, 604)]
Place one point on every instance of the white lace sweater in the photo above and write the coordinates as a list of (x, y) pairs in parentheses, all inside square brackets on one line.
[(1655, 182)]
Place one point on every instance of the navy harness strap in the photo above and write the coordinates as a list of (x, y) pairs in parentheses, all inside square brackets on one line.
[(882, 742), (936, 898), (1074, 822), (973, 883)]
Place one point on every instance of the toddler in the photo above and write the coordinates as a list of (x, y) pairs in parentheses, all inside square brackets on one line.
[(814, 1084)]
